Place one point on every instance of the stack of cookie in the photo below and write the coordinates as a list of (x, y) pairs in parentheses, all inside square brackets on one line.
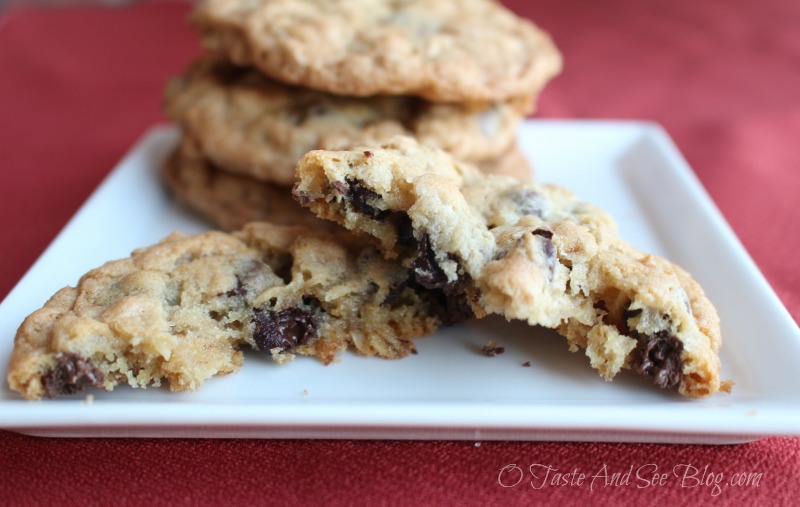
[(288, 77), (425, 240)]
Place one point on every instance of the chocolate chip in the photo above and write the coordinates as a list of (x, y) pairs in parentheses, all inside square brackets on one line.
[(250, 280), (543, 232), (491, 349), (449, 309), (628, 314), (368, 154), (527, 201), (394, 294), (372, 288), (284, 329), (302, 197), (363, 198), (426, 270), (526, 364), (71, 374), (405, 229), (659, 357)]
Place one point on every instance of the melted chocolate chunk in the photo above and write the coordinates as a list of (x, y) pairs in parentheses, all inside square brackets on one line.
[(659, 357), (450, 309), (426, 270), (405, 229), (363, 199), (71, 374), (284, 329)]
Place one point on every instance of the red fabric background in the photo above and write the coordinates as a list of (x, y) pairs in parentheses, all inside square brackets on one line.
[(79, 85)]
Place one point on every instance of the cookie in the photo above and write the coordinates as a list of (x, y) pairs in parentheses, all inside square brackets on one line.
[(182, 310), (512, 163), (524, 251), (255, 126), (444, 51), (231, 200)]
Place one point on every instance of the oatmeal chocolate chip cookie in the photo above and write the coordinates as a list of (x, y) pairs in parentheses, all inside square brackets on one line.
[(524, 251), (249, 124), (444, 51), (181, 311), (231, 200)]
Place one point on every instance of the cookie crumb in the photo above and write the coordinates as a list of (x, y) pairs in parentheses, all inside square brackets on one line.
[(89, 399), (305, 392), (491, 349), (726, 386), (281, 356), (526, 364)]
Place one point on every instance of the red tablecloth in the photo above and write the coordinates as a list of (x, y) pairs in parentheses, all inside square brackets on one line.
[(78, 86)]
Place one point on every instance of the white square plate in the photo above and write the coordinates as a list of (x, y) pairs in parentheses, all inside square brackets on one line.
[(449, 390)]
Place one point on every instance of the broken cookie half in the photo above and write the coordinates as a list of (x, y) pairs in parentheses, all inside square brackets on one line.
[(182, 310), (524, 251)]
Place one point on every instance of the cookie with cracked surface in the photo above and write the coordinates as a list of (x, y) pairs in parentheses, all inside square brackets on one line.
[(181, 311), (253, 125), (524, 251), (231, 200), (466, 51)]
